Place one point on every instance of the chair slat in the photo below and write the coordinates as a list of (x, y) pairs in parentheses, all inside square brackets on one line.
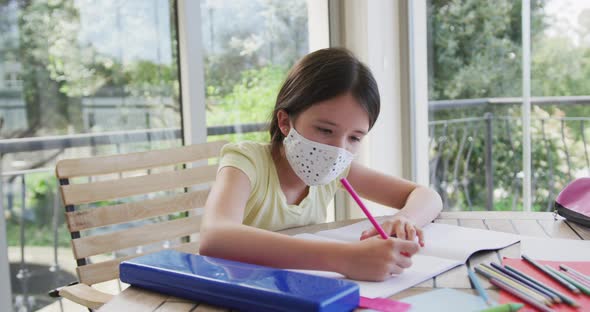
[(138, 236), (85, 295), (115, 214), (107, 270), (75, 194), (71, 168)]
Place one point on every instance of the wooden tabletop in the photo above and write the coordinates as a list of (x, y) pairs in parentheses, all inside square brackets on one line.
[(542, 224)]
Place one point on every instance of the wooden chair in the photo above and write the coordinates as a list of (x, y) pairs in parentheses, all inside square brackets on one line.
[(183, 173)]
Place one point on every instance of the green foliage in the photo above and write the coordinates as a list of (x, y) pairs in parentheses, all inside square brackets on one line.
[(476, 48), (560, 68), (278, 37), (148, 79), (251, 101), (41, 192), (38, 215), (37, 236)]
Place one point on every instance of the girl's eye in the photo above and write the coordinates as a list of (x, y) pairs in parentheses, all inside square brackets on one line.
[(355, 139), (324, 130)]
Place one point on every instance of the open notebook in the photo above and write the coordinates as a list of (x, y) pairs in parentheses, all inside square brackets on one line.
[(446, 246)]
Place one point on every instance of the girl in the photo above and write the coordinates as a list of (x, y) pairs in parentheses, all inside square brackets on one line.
[(325, 107)]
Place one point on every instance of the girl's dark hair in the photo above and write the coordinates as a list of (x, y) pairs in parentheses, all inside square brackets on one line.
[(322, 75)]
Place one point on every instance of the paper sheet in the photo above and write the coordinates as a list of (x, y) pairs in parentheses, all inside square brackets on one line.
[(441, 240), (423, 268), (447, 246), (445, 299), (555, 249)]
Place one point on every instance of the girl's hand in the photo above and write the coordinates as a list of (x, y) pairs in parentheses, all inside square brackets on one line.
[(400, 227), (376, 259)]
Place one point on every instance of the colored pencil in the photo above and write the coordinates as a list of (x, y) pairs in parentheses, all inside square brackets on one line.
[(524, 281), (356, 198), (517, 293), (567, 299), (560, 280), (581, 287), (507, 307), (482, 292), (570, 270), (490, 274), (516, 284), (577, 278)]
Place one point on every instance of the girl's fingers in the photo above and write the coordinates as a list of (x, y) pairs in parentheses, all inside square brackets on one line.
[(400, 231), (395, 270), (404, 262), (388, 228), (420, 234), (407, 248), (368, 233), (410, 231)]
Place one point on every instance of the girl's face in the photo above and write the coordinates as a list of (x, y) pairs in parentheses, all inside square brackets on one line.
[(340, 122)]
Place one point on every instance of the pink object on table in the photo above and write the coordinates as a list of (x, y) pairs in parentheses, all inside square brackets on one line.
[(354, 195), (575, 196), (573, 202), (382, 304)]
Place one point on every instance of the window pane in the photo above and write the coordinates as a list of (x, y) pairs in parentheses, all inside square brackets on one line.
[(77, 78), (248, 48), (475, 56), (474, 65), (561, 79)]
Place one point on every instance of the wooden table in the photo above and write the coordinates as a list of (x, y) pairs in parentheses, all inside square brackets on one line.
[(530, 224)]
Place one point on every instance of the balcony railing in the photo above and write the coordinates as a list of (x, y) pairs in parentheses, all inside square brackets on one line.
[(475, 161)]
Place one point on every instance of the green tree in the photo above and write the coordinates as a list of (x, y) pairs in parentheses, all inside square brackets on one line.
[(475, 48), (560, 68), (251, 101), (50, 57), (278, 38)]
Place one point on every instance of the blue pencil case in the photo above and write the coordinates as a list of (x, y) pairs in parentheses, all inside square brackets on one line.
[(242, 286)]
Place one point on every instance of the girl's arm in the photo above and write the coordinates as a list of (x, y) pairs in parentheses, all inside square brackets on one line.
[(224, 236), (419, 204)]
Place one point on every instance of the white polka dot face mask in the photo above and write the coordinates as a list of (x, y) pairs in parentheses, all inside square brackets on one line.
[(315, 163)]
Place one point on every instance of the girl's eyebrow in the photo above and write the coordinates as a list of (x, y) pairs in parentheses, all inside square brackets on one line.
[(324, 121)]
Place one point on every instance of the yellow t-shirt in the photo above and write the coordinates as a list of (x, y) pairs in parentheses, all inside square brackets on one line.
[(267, 206)]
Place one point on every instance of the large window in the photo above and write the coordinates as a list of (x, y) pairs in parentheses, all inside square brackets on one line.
[(560, 80), (475, 63), (77, 78)]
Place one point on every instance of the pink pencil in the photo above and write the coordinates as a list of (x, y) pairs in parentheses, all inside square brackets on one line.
[(354, 195)]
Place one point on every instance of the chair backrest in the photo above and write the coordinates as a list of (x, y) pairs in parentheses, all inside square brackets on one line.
[(133, 201)]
